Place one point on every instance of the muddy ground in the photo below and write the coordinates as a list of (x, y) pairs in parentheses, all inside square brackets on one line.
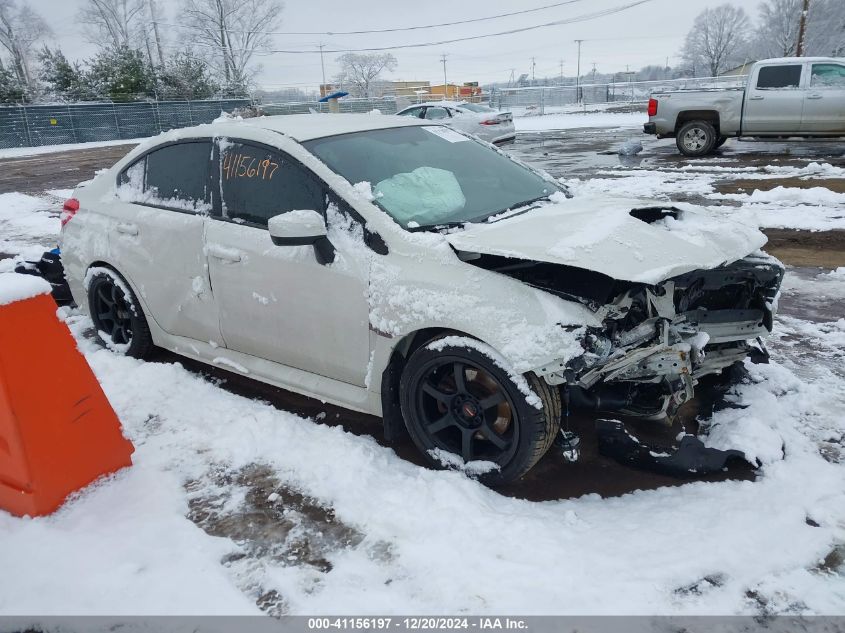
[(574, 153)]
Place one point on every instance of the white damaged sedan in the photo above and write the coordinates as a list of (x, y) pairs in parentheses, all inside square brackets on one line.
[(406, 270)]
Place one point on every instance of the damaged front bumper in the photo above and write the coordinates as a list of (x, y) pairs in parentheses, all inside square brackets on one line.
[(658, 342)]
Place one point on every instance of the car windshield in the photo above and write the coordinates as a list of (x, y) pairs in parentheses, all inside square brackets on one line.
[(474, 107), (427, 176)]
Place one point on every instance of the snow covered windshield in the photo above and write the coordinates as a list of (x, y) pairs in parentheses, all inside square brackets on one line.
[(431, 176)]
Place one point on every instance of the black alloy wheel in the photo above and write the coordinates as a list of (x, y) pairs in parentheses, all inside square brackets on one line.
[(459, 401), (117, 316)]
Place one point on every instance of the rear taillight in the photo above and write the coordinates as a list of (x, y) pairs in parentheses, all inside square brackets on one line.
[(69, 210), (490, 122), (652, 107)]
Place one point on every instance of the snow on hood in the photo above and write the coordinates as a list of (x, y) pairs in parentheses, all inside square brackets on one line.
[(600, 234)]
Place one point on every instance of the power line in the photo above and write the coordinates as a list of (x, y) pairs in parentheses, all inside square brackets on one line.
[(581, 18), (399, 29)]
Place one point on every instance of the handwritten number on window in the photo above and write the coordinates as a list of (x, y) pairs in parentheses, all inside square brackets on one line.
[(243, 166)]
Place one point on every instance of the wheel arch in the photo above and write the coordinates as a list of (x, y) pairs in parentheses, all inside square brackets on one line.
[(155, 329), (710, 116)]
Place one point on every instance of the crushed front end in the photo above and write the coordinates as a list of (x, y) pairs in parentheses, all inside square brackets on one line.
[(657, 341)]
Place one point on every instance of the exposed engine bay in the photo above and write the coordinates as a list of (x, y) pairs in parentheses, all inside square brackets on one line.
[(656, 341)]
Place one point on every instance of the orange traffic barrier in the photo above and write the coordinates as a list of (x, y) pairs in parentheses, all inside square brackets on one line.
[(58, 432)]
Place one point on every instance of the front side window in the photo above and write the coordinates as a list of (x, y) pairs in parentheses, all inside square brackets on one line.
[(828, 76), (172, 177), (425, 176), (259, 183), (779, 77)]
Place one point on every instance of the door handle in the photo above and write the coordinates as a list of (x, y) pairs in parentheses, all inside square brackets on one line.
[(814, 96), (224, 254), (756, 98), (127, 228)]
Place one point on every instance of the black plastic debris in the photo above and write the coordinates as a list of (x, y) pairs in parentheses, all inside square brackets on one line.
[(691, 458), (51, 269)]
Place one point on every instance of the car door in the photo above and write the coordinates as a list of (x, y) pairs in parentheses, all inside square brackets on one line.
[(159, 211), (774, 101), (824, 100), (280, 303)]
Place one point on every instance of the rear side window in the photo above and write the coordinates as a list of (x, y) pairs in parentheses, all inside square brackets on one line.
[(415, 112), (774, 77), (258, 183), (173, 177)]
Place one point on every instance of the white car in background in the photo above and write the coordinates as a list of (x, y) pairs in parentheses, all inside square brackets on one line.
[(483, 121), (409, 271)]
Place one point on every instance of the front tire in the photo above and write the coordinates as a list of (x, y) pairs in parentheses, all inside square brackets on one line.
[(696, 138), (456, 398), (117, 315)]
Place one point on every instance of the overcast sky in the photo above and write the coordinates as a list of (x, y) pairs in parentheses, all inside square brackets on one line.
[(646, 34)]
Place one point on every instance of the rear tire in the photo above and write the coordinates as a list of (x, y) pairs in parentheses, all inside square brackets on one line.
[(117, 315), (456, 399), (696, 138)]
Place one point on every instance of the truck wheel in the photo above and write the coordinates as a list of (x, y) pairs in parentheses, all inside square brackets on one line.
[(457, 399), (696, 138)]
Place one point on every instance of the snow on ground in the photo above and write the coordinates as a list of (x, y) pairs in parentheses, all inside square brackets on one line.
[(428, 541), (349, 527), (813, 208), (15, 152)]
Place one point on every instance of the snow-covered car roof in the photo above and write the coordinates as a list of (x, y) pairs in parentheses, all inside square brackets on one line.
[(305, 127), (441, 104), (801, 60)]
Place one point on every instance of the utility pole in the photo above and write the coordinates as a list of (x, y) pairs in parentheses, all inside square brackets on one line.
[(578, 74), (323, 67), (533, 66), (802, 28), (445, 83), (594, 72), (561, 72)]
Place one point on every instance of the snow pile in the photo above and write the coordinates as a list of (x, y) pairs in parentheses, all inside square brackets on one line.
[(15, 287)]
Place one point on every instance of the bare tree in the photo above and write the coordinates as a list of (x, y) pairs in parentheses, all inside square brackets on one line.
[(718, 38), (363, 71), (232, 31), (113, 23), (777, 33), (21, 28), (826, 28)]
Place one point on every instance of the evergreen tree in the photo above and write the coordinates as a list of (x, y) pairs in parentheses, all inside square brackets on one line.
[(11, 89), (185, 76), (121, 74), (62, 80)]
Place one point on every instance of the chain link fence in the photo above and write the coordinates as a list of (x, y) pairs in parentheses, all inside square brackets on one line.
[(542, 97), (34, 125), (386, 105)]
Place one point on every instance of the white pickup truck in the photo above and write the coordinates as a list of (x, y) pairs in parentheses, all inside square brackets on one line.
[(788, 97)]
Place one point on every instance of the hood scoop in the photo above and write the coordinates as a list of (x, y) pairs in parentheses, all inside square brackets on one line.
[(650, 215)]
